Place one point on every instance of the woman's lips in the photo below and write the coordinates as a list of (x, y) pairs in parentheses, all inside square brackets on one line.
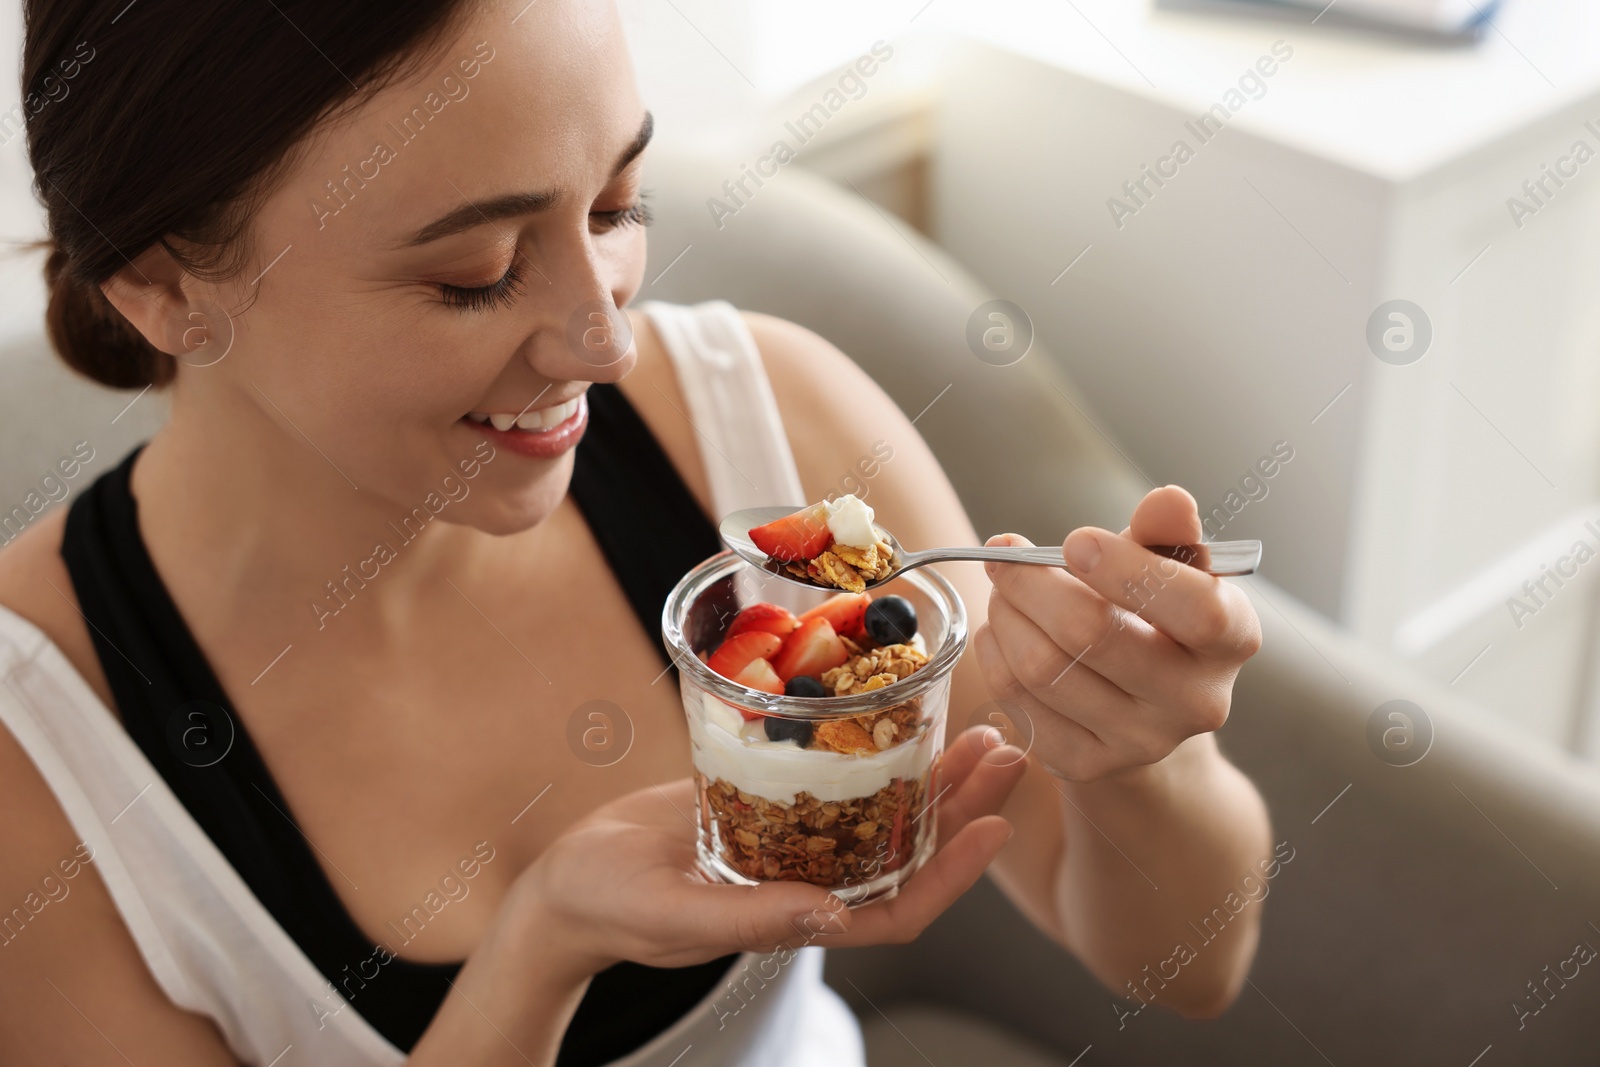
[(544, 444)]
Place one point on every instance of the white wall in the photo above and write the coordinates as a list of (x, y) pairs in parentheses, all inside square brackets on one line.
[(21, 218)]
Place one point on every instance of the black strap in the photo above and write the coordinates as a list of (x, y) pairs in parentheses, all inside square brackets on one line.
[(173, 706), (644, 518)]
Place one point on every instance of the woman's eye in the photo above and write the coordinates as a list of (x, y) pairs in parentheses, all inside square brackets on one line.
[(502, 293), (635, 214)]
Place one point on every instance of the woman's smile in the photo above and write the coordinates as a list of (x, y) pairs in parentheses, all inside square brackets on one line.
[(542, 433)]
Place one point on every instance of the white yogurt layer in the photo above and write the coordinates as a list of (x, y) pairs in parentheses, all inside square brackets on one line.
[(850, 521), (726, 746)]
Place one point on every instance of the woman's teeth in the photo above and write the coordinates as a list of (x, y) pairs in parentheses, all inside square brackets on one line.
[(532, 421)]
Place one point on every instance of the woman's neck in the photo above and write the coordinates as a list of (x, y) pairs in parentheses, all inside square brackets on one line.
[(266, 523)]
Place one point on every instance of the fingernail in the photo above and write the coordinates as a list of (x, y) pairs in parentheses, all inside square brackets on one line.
[(1083, 551), (995, 541)]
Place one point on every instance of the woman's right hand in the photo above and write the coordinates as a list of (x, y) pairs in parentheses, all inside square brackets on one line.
[(622, 884)]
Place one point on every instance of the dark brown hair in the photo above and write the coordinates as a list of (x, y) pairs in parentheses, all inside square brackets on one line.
[(169, 121)]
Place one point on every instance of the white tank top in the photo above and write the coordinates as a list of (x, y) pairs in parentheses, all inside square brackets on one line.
[(217, 951)]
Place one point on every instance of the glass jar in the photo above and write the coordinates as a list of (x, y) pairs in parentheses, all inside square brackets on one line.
[(858, 823)]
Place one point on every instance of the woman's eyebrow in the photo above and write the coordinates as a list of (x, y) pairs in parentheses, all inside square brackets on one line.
[(478, 212)]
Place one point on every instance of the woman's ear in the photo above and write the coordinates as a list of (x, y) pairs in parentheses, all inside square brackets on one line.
[(150, 294)]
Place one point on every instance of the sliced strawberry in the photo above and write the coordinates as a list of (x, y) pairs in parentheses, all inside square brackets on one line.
[(811, 649), (758, 674), (768, 617), (846, 612), (734, 654), (800, 536)]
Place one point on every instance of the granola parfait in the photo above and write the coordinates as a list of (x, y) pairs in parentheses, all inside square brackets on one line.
[(832, 543), (815, 728)]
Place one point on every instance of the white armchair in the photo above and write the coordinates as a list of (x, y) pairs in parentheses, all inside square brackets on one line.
[(1421, 900)]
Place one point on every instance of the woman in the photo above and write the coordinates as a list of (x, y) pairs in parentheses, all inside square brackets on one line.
[(315, 797)]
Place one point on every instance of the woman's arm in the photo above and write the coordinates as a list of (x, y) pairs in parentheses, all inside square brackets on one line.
[(1119, 863), (619, 884), (74, 987)]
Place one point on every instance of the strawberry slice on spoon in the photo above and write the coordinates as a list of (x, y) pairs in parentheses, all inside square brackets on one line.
[(801, 535)]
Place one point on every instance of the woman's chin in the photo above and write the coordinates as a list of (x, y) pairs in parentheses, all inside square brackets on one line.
[(502, 510)]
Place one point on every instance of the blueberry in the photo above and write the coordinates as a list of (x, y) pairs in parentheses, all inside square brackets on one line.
[(803, 685), (781, 729), (891, 620)]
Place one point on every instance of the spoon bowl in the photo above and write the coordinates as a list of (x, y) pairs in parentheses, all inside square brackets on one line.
[(1221, 558)]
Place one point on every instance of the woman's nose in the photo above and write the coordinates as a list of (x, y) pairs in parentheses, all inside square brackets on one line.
[(599, 335), (583, 335)]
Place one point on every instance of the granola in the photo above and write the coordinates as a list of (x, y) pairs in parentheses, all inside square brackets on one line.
[(847, 567), (827, 843), (872, 731), (873, 669)]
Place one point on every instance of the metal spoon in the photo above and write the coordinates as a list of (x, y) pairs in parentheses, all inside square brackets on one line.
[(1222, 558)]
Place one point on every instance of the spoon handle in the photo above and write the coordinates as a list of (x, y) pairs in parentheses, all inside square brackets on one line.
[(1222, 558)]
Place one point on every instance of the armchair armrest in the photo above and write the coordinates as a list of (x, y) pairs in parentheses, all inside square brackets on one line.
[(1419, 903)]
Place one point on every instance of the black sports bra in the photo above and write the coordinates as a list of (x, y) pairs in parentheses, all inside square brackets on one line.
[(651, 531)]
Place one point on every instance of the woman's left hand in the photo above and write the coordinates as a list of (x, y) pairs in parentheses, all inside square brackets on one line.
[(1120, 660)]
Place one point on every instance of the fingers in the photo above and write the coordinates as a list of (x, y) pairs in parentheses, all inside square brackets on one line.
[(1166, 516), (1169, 516), (1056, 630), (756, 918), (776, 914), (1067, 748), (1137, 690), (940, 883), (668, 806), (1201, 612), (976, 777)]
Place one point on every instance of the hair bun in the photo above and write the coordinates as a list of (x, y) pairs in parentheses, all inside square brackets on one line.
[(93, 337)]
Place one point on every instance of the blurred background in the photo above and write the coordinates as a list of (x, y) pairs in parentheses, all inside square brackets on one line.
[(1330, 266), (1220, 312), (1213, 313)]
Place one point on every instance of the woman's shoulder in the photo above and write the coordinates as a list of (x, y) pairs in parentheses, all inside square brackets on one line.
[(85, 946), (29, 564), (849, 436), (813, 378), (840, 422), (35, 584)]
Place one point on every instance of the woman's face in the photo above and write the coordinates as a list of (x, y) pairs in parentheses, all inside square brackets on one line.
[(453, 249)]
